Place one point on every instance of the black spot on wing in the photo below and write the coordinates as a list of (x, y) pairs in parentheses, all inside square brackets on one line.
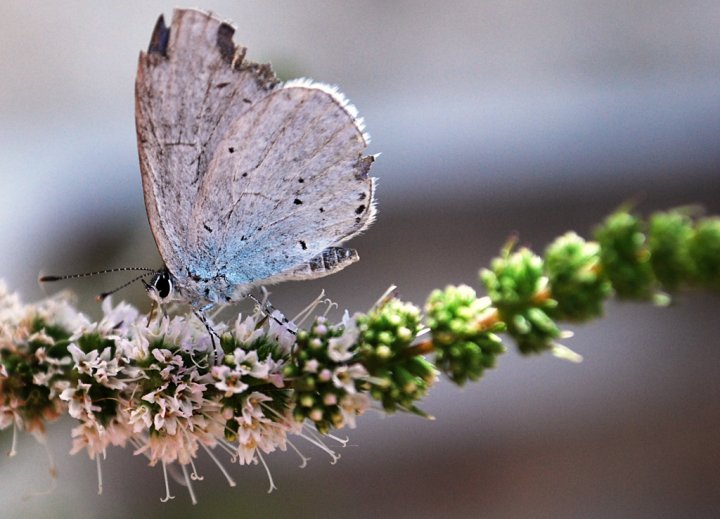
[(360, 209), (303, 245), (297, 201)]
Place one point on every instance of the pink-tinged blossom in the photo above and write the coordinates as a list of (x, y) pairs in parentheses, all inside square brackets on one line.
[(228, 380), (352, 406), (344, 377), (257, 431)]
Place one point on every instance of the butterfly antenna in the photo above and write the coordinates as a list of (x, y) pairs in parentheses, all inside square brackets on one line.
[(103, 295), (46, 279)]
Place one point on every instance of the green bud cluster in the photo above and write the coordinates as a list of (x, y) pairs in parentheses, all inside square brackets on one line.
[(575, 277), (316, 396), (704, 251), (517, 285), (463, 333), (668, 240), (625, 257), (398, 377), (668, 252)]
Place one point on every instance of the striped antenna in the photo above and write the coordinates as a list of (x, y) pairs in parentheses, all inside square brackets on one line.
[(102, 296), (46, 279), (145, 271)]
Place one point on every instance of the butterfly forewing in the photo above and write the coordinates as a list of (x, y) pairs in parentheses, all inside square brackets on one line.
[(191, 85)]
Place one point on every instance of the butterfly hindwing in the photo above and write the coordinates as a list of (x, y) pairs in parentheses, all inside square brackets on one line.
[(288, 181)]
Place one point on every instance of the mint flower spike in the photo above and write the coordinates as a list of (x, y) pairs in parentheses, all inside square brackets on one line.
[(158, 386)]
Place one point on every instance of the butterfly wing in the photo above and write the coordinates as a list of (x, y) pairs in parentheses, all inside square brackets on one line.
[(287, 181), (192, 83), (246, 182)]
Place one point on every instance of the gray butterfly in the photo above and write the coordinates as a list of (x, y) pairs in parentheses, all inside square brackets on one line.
[(247, 181)]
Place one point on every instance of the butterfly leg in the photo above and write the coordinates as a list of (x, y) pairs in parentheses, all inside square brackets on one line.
[(273, 313), (200, 314)]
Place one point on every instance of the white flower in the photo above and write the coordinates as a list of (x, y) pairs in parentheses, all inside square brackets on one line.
[(339, 347), (99, 365), (117, 320), (352, 406), (256, 431), (80, 405), (11, 310), (275, 372), (344, 377), (228, 380), (247, 363), (246, 330), (59, 311), (140, 418), (281, 331)]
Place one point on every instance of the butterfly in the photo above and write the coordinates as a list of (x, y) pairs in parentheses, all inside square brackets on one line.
[(247, 181)]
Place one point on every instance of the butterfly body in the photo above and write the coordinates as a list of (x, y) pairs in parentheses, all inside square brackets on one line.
[(247, 181)]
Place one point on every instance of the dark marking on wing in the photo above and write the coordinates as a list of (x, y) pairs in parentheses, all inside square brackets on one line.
[(364, 164), (160, 38), (303, 245), (208, 229), (231, 149), (225, 42), (297, 201), (331, 258), (222, 85), (360, 209), (247, 101), (301, 180)]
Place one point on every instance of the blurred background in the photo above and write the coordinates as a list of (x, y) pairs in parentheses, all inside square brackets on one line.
[(492, 118)]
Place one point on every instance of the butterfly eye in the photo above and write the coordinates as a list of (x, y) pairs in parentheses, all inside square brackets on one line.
[(162, 284)]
